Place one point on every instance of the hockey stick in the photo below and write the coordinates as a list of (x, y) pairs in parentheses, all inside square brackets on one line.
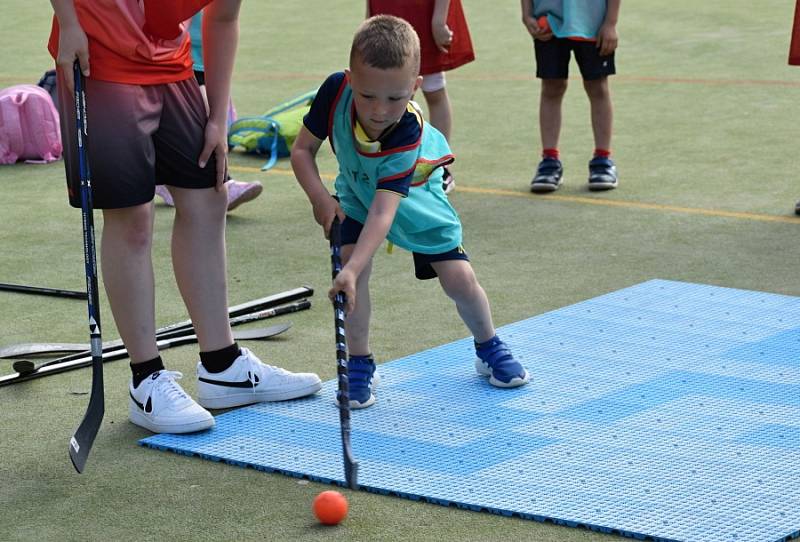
[(30, 369), (42, 291), (343, 394), (42, 349), (25, 367), (81, 441), (55, 368)]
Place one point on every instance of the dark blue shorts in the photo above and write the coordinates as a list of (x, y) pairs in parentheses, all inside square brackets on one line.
[(423, 269), (552, 59)]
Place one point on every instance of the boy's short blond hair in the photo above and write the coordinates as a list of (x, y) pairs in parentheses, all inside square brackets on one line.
[(386, 42)]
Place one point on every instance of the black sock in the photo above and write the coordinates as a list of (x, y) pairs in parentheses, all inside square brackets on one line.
[(143, 370), (219, 360)]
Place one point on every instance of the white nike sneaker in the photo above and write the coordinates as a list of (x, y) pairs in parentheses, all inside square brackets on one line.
[(160, 405), (249, 380)]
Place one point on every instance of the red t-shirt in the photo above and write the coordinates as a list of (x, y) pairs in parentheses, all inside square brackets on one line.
[(135, 43), (419, 14), (794, 48)]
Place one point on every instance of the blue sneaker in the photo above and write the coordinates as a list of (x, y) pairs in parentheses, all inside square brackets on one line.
[(602, 173), (362, 379), (496, 362), (549, 175)]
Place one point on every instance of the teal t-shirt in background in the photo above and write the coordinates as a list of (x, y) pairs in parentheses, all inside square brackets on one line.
[(196, 34), (572, 18)]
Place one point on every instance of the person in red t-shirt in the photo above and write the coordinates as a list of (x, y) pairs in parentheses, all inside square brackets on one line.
[(445, 44), (147, 120), (794, 58)]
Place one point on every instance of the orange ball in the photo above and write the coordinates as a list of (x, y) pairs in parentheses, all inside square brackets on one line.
[(330, 507), (543, 23)]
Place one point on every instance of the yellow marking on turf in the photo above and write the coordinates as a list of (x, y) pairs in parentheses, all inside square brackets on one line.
[(759, 217)]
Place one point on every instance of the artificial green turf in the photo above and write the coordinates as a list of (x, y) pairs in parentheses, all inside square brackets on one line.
[(706, 117)]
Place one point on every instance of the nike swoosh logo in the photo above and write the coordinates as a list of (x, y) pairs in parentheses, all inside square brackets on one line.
[(148, 408), (229, 384)]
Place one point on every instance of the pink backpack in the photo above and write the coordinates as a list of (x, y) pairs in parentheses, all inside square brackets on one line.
[(29, 128)]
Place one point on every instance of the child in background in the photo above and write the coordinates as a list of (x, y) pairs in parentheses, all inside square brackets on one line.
[(589, 31), (238, 191), (389, 186), (445, 45)]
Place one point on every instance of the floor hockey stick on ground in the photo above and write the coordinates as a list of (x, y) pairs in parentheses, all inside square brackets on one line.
[(343, 394), (78, 350), (80, 444), (25, 367), (56, 292)]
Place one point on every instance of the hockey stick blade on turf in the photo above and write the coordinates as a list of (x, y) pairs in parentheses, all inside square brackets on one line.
[(343, 394), (80, 444), (26, 367), (24, 350)]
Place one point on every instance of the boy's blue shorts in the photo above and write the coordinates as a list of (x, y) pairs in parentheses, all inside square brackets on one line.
[(423, 269), (553, 56)]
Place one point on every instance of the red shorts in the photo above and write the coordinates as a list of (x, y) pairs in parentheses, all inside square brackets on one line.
[(794, 47), (138, 136), (419, 14)]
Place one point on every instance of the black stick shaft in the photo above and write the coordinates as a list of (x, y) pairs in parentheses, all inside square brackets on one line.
[(19, 288), (82, 440), (343, 394)]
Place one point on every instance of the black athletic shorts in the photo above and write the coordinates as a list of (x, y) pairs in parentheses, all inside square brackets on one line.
[(137, 134), (423, 269), (552, 59)]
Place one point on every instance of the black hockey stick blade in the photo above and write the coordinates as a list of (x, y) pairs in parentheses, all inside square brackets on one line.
[(55, 292), (81, 441), (22, 350), (26, 367)]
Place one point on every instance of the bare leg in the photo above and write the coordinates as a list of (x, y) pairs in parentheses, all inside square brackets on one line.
[(127, 268), (460, 284), (440, 111), (356, 324), (552, 95), (198, 259), (602, 111)]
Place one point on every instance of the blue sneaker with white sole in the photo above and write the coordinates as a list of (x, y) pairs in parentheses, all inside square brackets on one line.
[(602, 174), (362, 379), (496, 362), (549, 174)]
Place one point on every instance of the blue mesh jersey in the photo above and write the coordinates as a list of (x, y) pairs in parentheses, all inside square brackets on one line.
[(406, 159), (572, 18)]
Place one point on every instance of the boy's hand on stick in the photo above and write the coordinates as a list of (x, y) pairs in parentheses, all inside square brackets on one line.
[(345, 282)]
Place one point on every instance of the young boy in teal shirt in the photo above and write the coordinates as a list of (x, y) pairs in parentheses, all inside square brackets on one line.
[(587, 30), (389, 186)]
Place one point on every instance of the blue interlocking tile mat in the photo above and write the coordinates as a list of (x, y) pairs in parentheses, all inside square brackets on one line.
[(666, 410)]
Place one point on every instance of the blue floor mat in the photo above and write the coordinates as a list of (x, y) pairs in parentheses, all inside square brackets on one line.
[(666, 410)]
